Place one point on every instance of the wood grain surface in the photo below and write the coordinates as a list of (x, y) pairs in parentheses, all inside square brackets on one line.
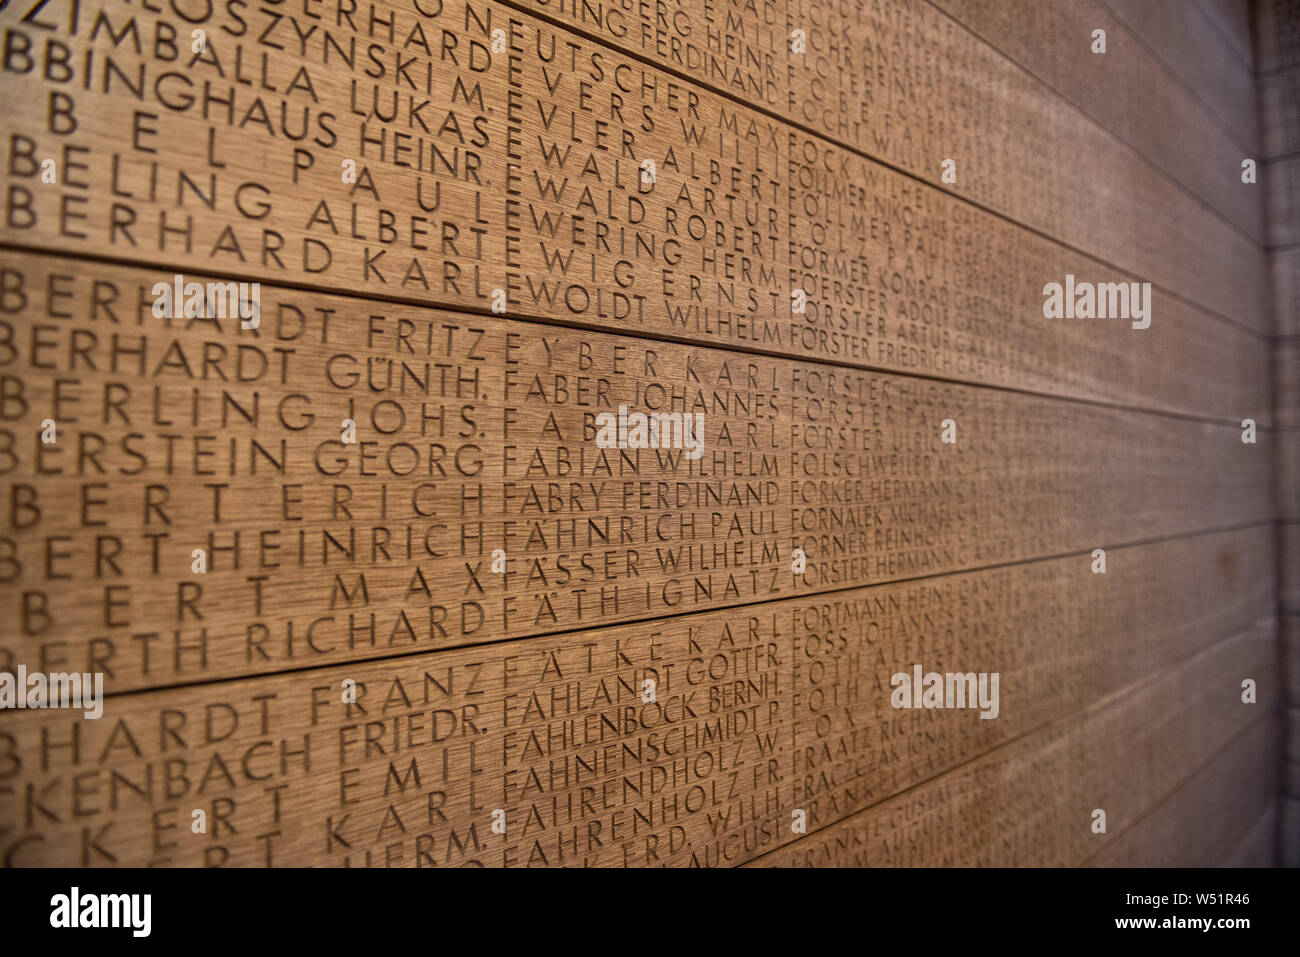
[(1129, 92), (757, 714), (953, 820), (370, 584), (478, 434), (527, 179), (904, 83), (1215, 804)]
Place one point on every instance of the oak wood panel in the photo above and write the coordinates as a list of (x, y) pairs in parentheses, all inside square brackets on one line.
[(1286, 389), (1289, 626), (1290, 770), (1226, 805), (1277, 38), (1128, 92), (1281, 179), (371, 562), (1286, 291), (480, 433), (758, 712), (1289, 833), (743, 210), (1232, 19), (1288, 545), (903, 83), (1277, 44), (984, 814), (1197, 56), (1288, 474), (1168, 751), (1279, 114), (1258, 848), (1020, 125)]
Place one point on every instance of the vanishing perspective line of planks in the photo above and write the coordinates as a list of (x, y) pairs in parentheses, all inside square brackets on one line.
[(392, 575)]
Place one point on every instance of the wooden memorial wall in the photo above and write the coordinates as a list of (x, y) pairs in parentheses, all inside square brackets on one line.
[(542, 432)]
